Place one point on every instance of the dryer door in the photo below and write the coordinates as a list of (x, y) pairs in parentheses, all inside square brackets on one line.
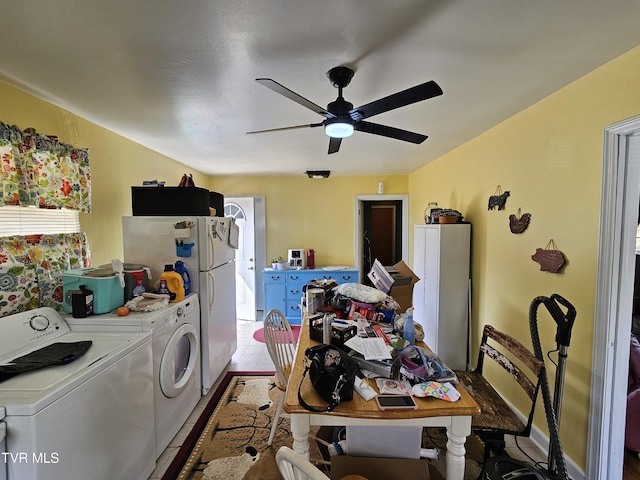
[(178, 362)]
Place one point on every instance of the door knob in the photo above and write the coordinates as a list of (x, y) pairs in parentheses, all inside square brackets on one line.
[(250, 268)]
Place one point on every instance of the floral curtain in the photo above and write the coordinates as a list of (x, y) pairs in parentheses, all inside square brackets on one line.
[(38, 170), (31, 269)]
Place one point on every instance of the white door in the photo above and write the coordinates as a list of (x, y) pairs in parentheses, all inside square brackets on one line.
[(243, 210)]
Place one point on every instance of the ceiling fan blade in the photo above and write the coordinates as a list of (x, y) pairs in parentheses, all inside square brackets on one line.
[(334, 144), (415, 94), (291, 95), (309, 125), (391, 132)]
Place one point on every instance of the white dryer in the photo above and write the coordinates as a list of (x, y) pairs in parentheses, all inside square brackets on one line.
[(175, 332), (81, 419)]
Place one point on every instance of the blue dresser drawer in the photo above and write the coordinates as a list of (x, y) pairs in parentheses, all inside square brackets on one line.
[(273, 277)]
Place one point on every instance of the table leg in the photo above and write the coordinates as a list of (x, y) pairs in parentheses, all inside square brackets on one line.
[(455, 457), (300, 431)]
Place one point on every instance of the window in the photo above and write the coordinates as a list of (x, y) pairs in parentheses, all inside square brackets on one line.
[(233, 210), (32, 220)]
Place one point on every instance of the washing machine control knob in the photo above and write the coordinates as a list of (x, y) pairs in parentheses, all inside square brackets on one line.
[(39, 323), (180, 312)]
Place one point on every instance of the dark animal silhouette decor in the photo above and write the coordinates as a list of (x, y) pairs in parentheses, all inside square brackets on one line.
[(519, 222), (498, 201), (550, 258)]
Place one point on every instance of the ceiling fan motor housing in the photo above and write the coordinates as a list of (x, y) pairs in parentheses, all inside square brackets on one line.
[(340, 76)]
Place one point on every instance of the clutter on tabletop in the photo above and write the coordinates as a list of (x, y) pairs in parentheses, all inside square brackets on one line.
[(398, 326), (371, 348), (389, 386), (443, 391), (419, 365)]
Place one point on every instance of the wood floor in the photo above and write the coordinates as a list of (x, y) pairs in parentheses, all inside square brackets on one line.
[(631, 467)]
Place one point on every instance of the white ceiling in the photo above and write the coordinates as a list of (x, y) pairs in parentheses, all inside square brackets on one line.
[(179, 76)]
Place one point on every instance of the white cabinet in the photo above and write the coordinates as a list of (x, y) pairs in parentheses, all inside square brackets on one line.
[(441, 260)]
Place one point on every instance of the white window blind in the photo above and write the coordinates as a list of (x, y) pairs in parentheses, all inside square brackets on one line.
[(31, 220)]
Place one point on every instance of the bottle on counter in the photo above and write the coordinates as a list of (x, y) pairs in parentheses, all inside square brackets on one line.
[(82, 302), (138, 288), (409, 332), (184, 273), (327, 322), (172, 281), (311, 258)]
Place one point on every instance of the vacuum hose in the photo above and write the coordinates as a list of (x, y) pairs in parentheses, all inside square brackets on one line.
[(557, 464)]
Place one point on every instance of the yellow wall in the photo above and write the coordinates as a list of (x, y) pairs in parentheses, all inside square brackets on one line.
[(549, 157), (310, 213)]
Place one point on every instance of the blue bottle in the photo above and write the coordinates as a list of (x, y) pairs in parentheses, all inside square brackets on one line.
[(408, 332), (184, 273)]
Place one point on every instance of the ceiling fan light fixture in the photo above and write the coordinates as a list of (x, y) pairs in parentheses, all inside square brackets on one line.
[(318, 173), (337, 128)]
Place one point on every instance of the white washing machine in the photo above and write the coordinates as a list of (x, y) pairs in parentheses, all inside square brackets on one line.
[(81, 419), (175, 332)]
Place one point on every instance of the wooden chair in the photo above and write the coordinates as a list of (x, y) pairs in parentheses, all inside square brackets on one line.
[(281, 345), (496, 418), (293, 466)]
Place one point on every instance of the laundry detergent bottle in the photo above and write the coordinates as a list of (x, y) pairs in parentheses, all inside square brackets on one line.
[(174, 283), (184, 273)]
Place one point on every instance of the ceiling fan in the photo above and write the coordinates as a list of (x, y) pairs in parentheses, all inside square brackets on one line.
[(341, 118)]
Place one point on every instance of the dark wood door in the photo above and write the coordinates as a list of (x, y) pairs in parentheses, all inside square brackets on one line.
[(382, 233)]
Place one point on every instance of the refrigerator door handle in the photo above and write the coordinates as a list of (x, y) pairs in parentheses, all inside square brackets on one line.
[(211, 246), (212, 291)]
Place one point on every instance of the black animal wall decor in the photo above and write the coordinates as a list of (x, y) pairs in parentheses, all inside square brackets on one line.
[(498, 199)]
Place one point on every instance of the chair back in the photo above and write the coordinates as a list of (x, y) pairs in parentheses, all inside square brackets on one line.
[(281, 343), (293, 466), (527, 373)]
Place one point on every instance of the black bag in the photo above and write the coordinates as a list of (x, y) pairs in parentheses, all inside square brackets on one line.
[(331, 372), (59, 353)]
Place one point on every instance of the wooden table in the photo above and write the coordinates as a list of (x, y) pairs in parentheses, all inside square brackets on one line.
[(431, 412)]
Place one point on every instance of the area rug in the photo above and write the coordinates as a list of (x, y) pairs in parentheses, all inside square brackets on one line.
[(229, 441), (259, 334)]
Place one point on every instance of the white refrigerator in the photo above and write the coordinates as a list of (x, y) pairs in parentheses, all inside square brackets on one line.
[(210, 243)]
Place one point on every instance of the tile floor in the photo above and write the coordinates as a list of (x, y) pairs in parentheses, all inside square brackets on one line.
[(252, 356)]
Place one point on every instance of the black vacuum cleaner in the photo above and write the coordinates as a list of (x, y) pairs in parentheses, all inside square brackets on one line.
[(502, 467)]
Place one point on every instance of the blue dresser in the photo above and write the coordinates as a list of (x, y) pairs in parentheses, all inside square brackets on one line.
[(283, 288)]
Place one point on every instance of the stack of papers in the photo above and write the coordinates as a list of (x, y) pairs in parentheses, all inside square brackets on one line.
[(371, 348)]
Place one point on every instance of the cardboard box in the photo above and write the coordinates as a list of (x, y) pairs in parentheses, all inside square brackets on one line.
[(397, 280), (374, 468), (384, 442)]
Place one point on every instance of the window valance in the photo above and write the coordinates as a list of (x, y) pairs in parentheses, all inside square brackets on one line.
[(38, 170)]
